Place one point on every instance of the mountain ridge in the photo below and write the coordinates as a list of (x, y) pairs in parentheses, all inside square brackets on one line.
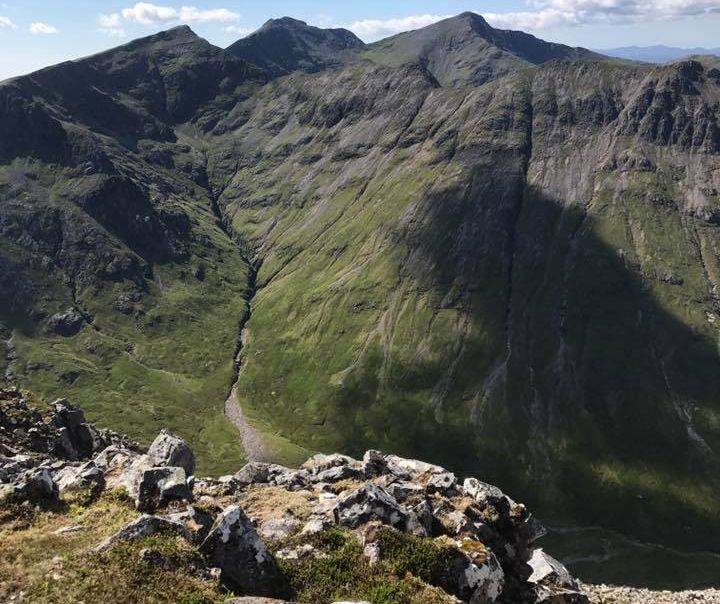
[(464, 49), (284, 45)]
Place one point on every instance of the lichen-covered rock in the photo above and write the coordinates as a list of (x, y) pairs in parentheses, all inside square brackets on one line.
[(159, 485), (197, 521), (338, 473), (36, 485), (170, 450), (277, 529), (549, 572), (76, 478), (321, 462), (256, 472), (246, 564), (552, 582), (114, 457), (401, 490), (444, 482), (370, 502), (293, 480)]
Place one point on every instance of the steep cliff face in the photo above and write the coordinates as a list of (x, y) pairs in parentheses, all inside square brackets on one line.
[(471, 246)]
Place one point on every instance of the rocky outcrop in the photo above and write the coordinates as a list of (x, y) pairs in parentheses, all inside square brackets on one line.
[(59, 428), (483, 539), (67, 322)]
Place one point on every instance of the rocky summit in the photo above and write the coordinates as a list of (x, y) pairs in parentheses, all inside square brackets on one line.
[(459, 244)]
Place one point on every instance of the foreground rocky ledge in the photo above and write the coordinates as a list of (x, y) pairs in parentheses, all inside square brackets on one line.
[(382, 529)]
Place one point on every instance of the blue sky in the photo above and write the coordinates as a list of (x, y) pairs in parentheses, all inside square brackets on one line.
[(36, 33)]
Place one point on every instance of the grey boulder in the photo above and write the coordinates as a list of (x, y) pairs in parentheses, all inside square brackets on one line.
[(553, 583), (67, 322), (77, 478), (142, 527), (159, 485), (36, 485), (245, 563), (370, 502), (170, 450)]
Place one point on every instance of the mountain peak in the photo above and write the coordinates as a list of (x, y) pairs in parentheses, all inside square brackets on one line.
[(467, 50), (284, 45), (471, 17), (179, 31), (284, 22), (171, 40)]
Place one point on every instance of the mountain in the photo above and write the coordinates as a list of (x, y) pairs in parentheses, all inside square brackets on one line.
[(657, 54), (285, 45), (460, 244), (116, 277), (466, 50)]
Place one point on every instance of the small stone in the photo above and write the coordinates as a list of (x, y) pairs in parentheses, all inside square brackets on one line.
[(315, 526), (280, 528), (65, 530)]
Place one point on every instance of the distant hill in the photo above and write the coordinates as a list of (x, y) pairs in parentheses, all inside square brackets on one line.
[(657, 54)]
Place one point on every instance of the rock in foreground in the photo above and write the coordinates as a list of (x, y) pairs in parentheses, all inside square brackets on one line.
[(381, 529)]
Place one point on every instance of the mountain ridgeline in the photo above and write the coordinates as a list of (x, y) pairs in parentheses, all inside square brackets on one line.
[(459, 243)]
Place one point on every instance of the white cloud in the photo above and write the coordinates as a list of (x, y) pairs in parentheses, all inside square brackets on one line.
[(217, 15), (527, 20), (111, 25), (6, 23), (112, 20), (544, 14), (374, 29), (154, 14), (39, 28), (149, 14), (323, 20), (237, 30)]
